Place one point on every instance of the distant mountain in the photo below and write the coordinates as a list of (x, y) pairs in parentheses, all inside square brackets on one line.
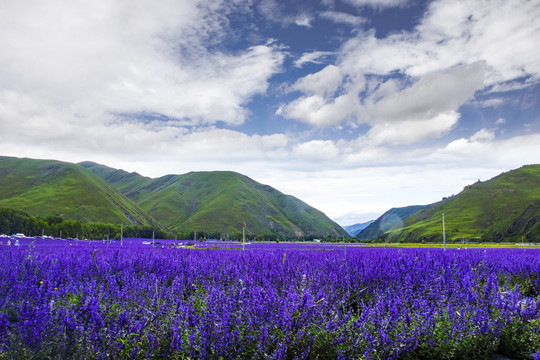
[(48, 187), (353, 230), (393, 219), (218, 201), (505, 208)]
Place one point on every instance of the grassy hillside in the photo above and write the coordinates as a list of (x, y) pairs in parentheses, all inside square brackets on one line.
[(47, 187), (121, 180), (219, 201), (393, 219), (505, 208)]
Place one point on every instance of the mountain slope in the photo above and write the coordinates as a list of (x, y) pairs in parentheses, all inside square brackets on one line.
[(506, 207), (48, 187), (219, 201), (393, 219), (119, 179), (355, 229)]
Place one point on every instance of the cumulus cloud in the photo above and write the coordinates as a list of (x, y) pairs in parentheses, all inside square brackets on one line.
[(434, 94), (114, 57), (408, 132), (318, 111), (398, 114), (422, 77), (324, 82), (501, 33), (484, 148)]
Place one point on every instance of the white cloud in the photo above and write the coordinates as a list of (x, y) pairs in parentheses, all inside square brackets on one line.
[(408, 132), (483, 135), (434, 94), (113, 57), (483, 149), (276, 141), (303, 20), (378, 3), (316, 150), (312, 57), (458, 48), (515, 85), (426, 109), (494, 102), (343, 18), (502, 33), (320, 112), (324, 82)]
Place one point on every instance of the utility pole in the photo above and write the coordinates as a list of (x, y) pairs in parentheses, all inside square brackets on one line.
[(243, 237), (443, 233), (153, 240)]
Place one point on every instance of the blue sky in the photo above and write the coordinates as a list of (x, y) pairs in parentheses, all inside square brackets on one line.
[(354, 106)]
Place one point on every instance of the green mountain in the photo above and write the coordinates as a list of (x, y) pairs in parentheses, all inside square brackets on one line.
[(48, 187), (392, 220), (355, 229), (218, 201), (505, 208)]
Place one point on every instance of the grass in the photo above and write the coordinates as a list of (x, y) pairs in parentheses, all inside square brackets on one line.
[(491, 210), (47, 187)]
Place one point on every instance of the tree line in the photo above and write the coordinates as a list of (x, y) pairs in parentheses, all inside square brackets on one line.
[(14, 221)]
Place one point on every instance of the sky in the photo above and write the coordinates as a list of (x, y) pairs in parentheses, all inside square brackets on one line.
[(353, 106)]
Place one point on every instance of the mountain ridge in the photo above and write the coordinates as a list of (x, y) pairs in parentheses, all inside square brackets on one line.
[(50, 187), (390, 220), (214, 202), (355, 229), (186, 203), (504, 208)]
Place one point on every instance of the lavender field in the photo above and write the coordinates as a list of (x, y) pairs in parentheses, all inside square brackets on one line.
[(93, 300)]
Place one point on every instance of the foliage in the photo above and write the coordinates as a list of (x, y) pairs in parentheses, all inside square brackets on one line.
[(16, 221)]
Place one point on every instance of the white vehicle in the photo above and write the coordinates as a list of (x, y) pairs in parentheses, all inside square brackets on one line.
[(19, 235)]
